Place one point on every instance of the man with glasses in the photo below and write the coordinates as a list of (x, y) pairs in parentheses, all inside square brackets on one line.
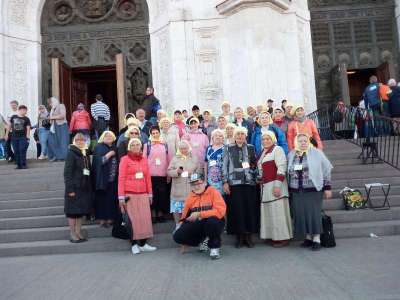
[(202, 217)]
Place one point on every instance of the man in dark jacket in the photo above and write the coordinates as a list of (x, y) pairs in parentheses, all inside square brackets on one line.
[(151, 105), (371, 95), (394, 105)]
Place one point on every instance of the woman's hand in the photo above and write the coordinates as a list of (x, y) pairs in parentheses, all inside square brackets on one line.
[(151, 200), (72, 194), (328, 194), (169, 179), (122, 206), (227, 189), (193, 217), (276, 191), (110, 154)]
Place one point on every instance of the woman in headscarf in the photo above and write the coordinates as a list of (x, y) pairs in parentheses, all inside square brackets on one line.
[(208, 124), (78, 187), (182, 165), (229, 130), (309, 180), (105, 176), (301, 124), (156, 152), (59, 135), (43, 128), (135, 195), (279, 119), (239, 174), (132, 132), (265, 123), (214, 160), (276, 223)]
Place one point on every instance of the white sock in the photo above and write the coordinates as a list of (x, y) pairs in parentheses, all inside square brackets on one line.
[(309, 237), (316, 238)]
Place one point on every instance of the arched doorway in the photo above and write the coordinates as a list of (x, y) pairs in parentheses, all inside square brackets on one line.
[(87, 35)]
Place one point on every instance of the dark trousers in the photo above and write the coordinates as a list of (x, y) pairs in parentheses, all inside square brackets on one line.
[(140, 243), (193, 233), (9, 151), (20, 146)]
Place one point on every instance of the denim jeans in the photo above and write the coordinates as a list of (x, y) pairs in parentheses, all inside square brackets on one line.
[(2, 148), (58, 142), (20, 146), (43, 137)]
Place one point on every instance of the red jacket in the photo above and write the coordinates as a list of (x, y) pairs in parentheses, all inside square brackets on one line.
[(130, 181), (80, 120)]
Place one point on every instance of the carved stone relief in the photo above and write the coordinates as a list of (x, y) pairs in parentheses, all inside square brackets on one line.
[(87, 33), (19, 69), (17, 11)]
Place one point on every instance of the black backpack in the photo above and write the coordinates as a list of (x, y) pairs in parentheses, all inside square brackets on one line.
[(327, 236)]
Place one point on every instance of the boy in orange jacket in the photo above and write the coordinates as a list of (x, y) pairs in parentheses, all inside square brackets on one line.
[(202, 217)]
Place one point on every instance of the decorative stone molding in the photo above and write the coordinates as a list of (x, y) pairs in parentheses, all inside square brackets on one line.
[(230, 7), (17, 11), (19, 71)]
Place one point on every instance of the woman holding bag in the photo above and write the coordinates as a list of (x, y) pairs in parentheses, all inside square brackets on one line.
[(135, 195)]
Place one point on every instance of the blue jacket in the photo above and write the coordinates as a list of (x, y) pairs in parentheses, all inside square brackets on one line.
[(280, 138), (394, 102), (371, 96)]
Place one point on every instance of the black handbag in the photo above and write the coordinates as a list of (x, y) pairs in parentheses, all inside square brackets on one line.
[(122, 228), (46, 124), (327, 236)]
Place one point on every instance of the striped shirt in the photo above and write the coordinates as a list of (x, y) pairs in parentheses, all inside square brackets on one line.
[(100, 109)]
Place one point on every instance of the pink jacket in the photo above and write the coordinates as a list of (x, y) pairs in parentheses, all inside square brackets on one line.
[(129, 182), (199, 143), (80, 120), (157, 160)]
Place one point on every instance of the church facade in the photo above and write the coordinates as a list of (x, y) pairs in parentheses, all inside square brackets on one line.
[(192, 52)]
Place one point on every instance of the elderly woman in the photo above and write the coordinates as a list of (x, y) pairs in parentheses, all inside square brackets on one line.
[(135, 195), (170, 135), (226, 112), (132, 132), (43, 128), (241, 121), (197, 139), (214, 160), (239, 174), (160, 115), (279, 119), (276, 223), (104, 171), (78, 187), (180, 168), (264, 124), (156, 152), (58, 136), (302, 125), (133, 122), (229, 130), (208, 124), (309, 179)]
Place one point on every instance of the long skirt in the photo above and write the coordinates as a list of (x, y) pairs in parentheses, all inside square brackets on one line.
[(106, 202), (276, 223), (307, 212), (243, 210), (58, 142), (138, 208), (160, 194)]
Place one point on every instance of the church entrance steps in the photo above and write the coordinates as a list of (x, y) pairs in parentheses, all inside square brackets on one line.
[(32, 195), (34, 203), (32, 212)]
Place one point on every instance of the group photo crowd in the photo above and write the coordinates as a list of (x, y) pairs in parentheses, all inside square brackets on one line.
[(258, 170)]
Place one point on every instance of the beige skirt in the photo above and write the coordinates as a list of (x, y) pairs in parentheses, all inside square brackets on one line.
[(138, 208)]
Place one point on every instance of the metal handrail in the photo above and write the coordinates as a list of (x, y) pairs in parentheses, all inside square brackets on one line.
[(377, 135)]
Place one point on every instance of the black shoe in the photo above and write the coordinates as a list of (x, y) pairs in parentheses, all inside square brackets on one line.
[(161, 219), (18, 168), (316, 246), (248, 241), (306, 243), (24, 167), (10, 160), (239, 242)]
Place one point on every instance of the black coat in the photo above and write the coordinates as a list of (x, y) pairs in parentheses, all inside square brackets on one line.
[(78, 183), (101, 171), (394, 102)]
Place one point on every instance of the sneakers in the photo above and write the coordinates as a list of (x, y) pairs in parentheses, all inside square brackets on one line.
[(214, 253), (135, 249), (203, 247), (147, 248)]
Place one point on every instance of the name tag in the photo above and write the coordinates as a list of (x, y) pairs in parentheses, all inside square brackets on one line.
[(298, 167), (245, 165), (213, 163), (185, 174), (158, 162), (86, 172), (139, 175), (195, 145)]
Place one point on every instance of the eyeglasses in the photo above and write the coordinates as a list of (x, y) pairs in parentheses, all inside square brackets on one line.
[(134, 133)]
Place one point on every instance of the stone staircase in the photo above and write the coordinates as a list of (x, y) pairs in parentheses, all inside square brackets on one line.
[(32, 220)]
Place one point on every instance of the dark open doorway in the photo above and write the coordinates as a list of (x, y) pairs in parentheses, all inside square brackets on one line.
[(358, 80), (88, 82)]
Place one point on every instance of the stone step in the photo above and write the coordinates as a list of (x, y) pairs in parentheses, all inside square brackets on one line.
[(32, 187), (48, 174), (30, 170), (31, 212), (364, 174), (61, 233), (364, 215), (32, 195), (337, 203), (34, 203), (364, 168), (364, 229), (347, 181)]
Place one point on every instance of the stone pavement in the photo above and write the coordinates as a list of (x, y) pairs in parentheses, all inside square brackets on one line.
[(363, 268)]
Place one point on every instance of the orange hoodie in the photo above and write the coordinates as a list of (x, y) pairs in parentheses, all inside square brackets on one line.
[(209, 204)]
